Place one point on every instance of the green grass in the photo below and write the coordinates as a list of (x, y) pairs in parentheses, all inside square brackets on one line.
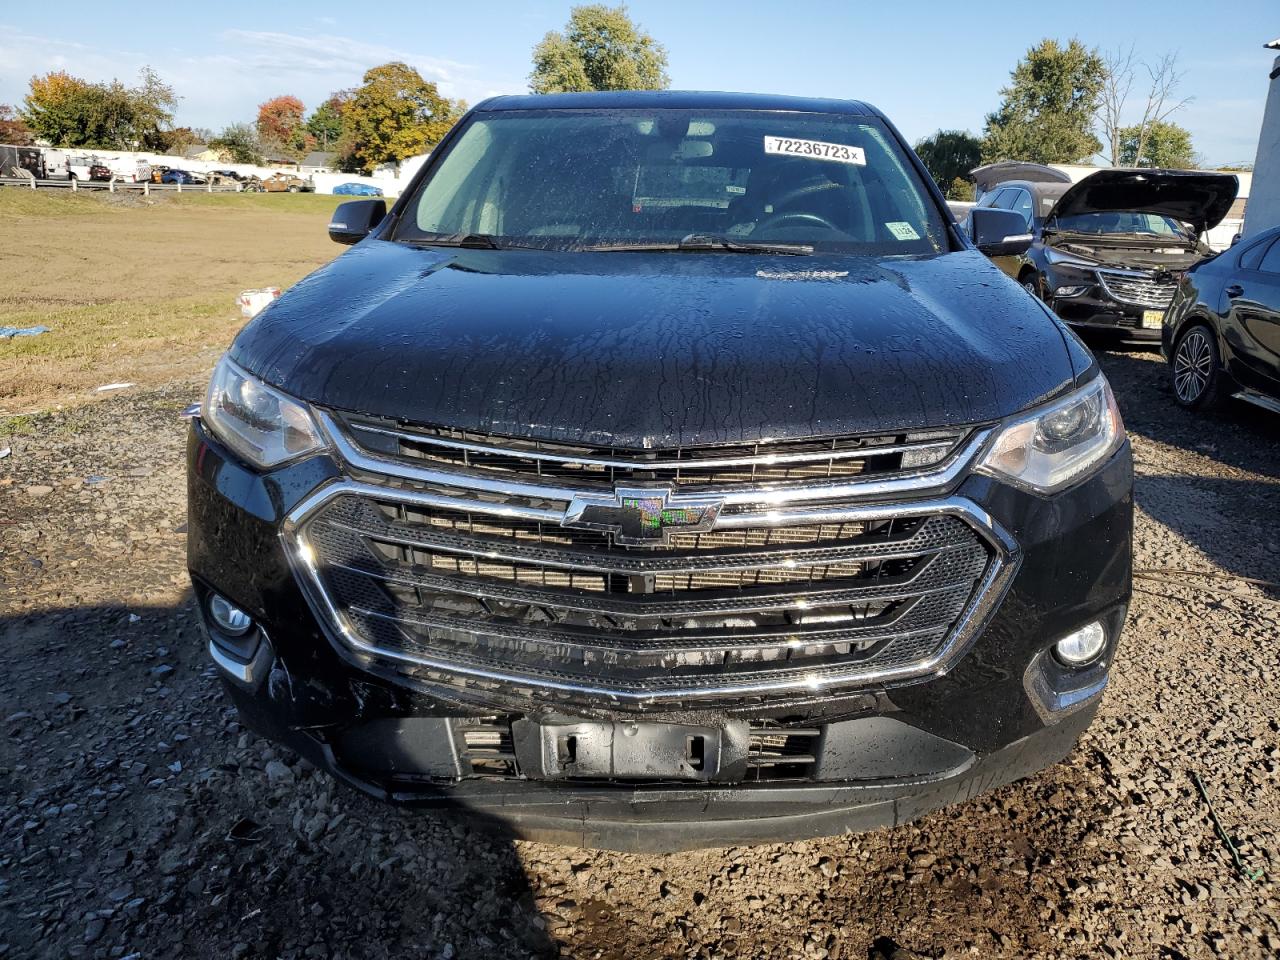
[(20, 425), (96, 327), (21, 202), (58, 202), (139, 289), (309, 203)]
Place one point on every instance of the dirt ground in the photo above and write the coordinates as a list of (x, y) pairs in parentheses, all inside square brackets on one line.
[(138, 289), (138, 820)]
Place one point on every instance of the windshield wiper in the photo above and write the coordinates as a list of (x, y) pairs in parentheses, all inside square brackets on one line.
[(705, 243), (473, 241)]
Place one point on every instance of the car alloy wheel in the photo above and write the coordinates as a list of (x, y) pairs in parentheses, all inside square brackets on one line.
[(1030, 285), (1193, 363)]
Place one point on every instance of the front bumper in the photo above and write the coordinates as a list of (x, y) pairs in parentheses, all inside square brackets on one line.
[(1004, 710), (1096, 308), (1099, 312)]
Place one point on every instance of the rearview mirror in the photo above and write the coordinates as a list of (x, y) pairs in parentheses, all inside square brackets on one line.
[(353, 221), (999, 233)]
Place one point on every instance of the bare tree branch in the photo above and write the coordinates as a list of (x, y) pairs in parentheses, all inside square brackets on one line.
[(1115, 94), (1165, 77), (1161, 102)]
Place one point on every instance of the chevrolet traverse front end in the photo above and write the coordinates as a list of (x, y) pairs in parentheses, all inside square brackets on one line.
[(664, 470)]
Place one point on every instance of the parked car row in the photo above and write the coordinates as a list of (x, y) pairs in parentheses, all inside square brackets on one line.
[(1122, 252)]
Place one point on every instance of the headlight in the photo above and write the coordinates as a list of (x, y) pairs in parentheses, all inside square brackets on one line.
[(1057, 444), (257, 421), (1066, 259)]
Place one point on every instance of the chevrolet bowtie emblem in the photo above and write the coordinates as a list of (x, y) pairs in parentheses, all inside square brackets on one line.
[(642, 516)]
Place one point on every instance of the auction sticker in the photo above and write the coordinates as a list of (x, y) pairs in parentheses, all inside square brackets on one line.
[(815, 150), (902, 230)]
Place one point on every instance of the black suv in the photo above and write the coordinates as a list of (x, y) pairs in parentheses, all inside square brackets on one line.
[(1108, 251), (663, 470)]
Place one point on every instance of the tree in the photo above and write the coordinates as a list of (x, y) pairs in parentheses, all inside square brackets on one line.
[(56, 109), (601, 49), (1121, 69), (395, 114), (961, 189), (280, 126), (177, 140), (1048, 108), (325, 122), (152, 103), (67, 111), (12, 128), (1155, 144), (949, 155), (238, 142)]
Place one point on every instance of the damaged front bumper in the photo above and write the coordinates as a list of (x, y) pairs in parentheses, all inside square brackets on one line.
[(1129, 303), (672, 776)]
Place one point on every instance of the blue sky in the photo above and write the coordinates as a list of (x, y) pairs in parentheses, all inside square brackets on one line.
[(927, 65)]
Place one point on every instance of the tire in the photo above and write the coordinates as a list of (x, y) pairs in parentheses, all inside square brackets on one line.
[(1031, 283), (293, 189), (1195, 369)]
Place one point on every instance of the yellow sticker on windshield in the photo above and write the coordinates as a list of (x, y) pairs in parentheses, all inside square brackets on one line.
[(815, 150)]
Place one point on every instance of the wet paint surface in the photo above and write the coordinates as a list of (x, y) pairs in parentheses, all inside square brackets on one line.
[(640, 350)]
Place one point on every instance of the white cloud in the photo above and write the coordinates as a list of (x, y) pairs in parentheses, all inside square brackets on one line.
[(238, 69)]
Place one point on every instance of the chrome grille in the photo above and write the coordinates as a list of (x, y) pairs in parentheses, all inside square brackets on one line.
[(475, 598), (1144, 290), (723, 465)]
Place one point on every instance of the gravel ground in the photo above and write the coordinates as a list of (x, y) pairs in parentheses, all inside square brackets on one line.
[(137, 819)]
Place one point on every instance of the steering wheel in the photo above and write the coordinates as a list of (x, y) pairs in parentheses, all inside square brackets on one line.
[(804, 190), (796, 193), (779, 218)]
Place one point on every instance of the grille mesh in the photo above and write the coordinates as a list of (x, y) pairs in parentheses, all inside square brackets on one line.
[(564, 608), (1142, 291)]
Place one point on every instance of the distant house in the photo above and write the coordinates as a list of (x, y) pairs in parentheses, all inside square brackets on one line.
[(202, 152), (317, 161)]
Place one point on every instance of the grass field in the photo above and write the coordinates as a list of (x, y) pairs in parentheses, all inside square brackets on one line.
[(138, 289)]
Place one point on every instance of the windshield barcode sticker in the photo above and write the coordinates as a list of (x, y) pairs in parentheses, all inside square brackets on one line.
[(902, 230), (815, 150)]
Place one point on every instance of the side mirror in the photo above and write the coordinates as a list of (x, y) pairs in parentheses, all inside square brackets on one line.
[(353, 221), (999, 233)]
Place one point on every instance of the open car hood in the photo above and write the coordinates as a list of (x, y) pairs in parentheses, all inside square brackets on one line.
[(993, 174), (1198, 199)]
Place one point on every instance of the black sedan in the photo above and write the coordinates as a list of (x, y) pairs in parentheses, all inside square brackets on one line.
[(1221, 335)]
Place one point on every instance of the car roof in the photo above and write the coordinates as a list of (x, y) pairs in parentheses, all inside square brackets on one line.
[(677, 100), (1037, 188)]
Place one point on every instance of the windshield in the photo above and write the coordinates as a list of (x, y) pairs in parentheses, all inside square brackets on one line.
[(1123, 222), (575, 179)]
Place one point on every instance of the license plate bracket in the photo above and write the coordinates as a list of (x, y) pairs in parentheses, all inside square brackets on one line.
[(630, 751)]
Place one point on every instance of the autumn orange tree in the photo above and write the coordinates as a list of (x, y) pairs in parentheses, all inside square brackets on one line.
[(395, 114), (12, 128), (281, 128)]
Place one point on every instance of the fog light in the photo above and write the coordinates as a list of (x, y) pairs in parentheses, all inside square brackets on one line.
[(1081, 646), (228, 618)]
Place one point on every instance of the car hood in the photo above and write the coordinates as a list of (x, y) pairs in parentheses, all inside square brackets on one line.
[(993, 174), (642, 350), (1198, 199)]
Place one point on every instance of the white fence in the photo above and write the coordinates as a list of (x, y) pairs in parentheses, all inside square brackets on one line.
[(118, 186)]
